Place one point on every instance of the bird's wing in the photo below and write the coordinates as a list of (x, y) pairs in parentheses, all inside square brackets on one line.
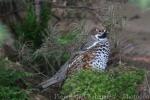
[(89, 44)]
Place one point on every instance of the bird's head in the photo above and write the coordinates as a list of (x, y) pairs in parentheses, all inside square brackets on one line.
[(99, 34)]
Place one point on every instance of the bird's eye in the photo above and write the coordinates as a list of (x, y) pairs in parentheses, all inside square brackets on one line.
[(104, 30), (100, 31)]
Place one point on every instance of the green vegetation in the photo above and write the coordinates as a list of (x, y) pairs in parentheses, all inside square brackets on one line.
[(141, 3), (116, 84), (42, 49), (31, 30), (3, 34), (42, 46), (9, 90), (54, 51)]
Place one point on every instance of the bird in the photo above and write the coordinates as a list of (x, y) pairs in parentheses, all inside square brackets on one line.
[(93, 54)]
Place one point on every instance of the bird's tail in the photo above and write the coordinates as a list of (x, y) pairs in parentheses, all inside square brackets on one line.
[(57, 78), (61, 75)]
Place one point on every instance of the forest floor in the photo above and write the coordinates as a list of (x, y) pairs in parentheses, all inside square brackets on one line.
[(138, 27)]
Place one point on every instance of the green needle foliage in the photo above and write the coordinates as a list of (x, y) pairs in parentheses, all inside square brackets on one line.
[(111, 85), (54, 51), (31, 30)]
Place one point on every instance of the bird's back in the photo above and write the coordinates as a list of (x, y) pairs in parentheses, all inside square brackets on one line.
[(95, 58)]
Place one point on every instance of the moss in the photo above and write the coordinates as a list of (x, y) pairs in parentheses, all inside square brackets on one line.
[(116, 84)]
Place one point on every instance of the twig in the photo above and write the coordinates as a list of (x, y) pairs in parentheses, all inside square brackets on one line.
[(75, 7)]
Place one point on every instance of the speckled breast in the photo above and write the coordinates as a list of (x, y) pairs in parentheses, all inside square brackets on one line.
[(101, 54)]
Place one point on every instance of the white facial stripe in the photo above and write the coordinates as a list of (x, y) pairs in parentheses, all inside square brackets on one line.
[(93, 45), (97, 35)]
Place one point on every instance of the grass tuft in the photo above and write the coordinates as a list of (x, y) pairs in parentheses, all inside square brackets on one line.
[(9, 87)]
